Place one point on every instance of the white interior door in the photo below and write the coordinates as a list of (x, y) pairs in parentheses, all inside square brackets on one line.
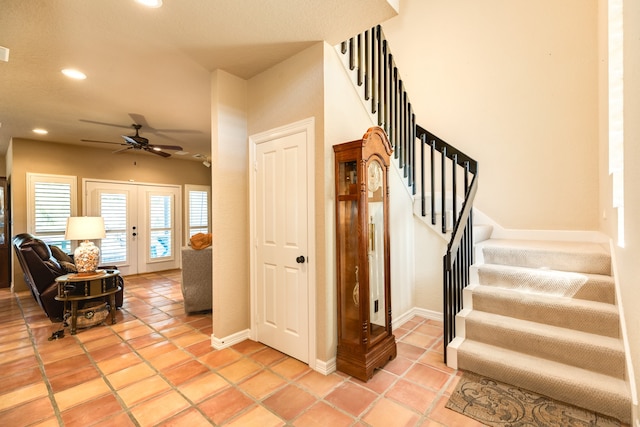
[(142, 225), (281, 235)]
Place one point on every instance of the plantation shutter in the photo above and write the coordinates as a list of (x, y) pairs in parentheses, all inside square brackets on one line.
[(198, 212), (51, 200)]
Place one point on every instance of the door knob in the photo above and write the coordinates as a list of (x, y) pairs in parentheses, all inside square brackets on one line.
[(300, 259)]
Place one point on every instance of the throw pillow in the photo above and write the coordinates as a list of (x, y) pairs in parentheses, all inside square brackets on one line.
[(200, 240), (68, 267), (65, 261), (60, 255)]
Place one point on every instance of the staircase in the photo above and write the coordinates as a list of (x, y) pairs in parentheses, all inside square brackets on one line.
[(542, 316)]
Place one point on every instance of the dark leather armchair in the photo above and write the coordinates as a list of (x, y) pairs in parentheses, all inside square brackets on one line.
[(40, 268)]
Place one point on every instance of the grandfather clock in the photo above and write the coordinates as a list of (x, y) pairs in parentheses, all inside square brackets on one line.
[(365, 341)]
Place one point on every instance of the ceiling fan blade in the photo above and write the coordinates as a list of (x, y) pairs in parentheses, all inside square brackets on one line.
[(105, 124), (167, 147), (101, 142), (122, 150), (140, 120), (159, 153)]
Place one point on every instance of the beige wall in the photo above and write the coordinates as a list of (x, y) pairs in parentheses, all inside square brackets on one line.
[(230, 209), (514, 85), (64, 159)]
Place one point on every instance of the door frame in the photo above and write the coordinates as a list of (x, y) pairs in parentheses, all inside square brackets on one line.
[(177, 220), (306, 126)]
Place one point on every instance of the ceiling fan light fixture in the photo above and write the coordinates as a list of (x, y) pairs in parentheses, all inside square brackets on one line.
[(157, 149), (150, 3), (74, 74)]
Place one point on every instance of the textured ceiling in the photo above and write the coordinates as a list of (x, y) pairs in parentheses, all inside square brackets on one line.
[(151, 66)]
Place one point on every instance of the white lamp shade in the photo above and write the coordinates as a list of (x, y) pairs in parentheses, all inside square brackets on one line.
[(85, 228)]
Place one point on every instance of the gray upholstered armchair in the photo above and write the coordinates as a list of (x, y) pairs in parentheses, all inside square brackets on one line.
[(196, 279)]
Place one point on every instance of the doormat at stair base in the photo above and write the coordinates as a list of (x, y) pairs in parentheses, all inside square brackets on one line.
[(501, 405)]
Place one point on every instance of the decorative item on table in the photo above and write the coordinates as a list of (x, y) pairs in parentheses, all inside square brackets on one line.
[(87, 255), (92, 314)]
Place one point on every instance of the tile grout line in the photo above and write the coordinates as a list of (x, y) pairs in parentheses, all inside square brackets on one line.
[(41, 364), (157, 371)]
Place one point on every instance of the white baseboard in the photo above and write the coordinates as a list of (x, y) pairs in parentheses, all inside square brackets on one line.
[(415, 311), (325, 367), (228, 341)]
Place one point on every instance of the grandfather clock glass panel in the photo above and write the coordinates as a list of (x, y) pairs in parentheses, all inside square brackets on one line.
[(365, 341)]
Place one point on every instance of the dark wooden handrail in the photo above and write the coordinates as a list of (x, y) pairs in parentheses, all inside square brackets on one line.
[(371, 58)]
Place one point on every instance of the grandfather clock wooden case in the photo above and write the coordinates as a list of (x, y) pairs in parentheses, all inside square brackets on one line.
[(365, 341)]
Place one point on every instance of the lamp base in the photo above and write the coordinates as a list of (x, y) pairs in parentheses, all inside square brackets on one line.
[(86, 258)]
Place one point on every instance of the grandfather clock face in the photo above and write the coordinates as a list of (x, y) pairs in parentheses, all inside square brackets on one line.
[(375, 176)]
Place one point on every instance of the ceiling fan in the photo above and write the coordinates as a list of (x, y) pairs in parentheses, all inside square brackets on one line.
[(137, 142)]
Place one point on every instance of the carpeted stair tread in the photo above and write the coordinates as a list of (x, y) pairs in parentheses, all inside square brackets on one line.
[(590, 390), (584, 350), (581, 257), (588, 286), (580, 315)]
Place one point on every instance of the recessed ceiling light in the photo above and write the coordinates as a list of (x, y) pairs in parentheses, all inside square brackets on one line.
[(150, 3), (40, 131), (74, 74)]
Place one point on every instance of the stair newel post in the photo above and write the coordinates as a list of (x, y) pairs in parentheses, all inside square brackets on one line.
[(448, 308)]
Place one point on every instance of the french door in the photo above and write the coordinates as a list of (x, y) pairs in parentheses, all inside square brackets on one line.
[(142, 223)]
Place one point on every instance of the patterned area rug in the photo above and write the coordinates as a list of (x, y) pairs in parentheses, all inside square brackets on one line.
[(501, 405)]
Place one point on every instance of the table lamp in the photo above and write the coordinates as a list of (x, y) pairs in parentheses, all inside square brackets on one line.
[(87, 255)]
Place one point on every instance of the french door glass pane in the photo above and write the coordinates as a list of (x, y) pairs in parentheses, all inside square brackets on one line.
[(160, 220), (113, 208)]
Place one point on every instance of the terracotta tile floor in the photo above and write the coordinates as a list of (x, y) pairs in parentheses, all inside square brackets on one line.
[(155, 366)]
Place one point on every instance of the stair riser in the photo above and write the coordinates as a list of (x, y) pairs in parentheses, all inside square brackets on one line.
[(574, 393), (598, 288), (583, 355), (593, 263), (604, 323)]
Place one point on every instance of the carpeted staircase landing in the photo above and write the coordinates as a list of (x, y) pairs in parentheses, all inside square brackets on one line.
[(542, 316)]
